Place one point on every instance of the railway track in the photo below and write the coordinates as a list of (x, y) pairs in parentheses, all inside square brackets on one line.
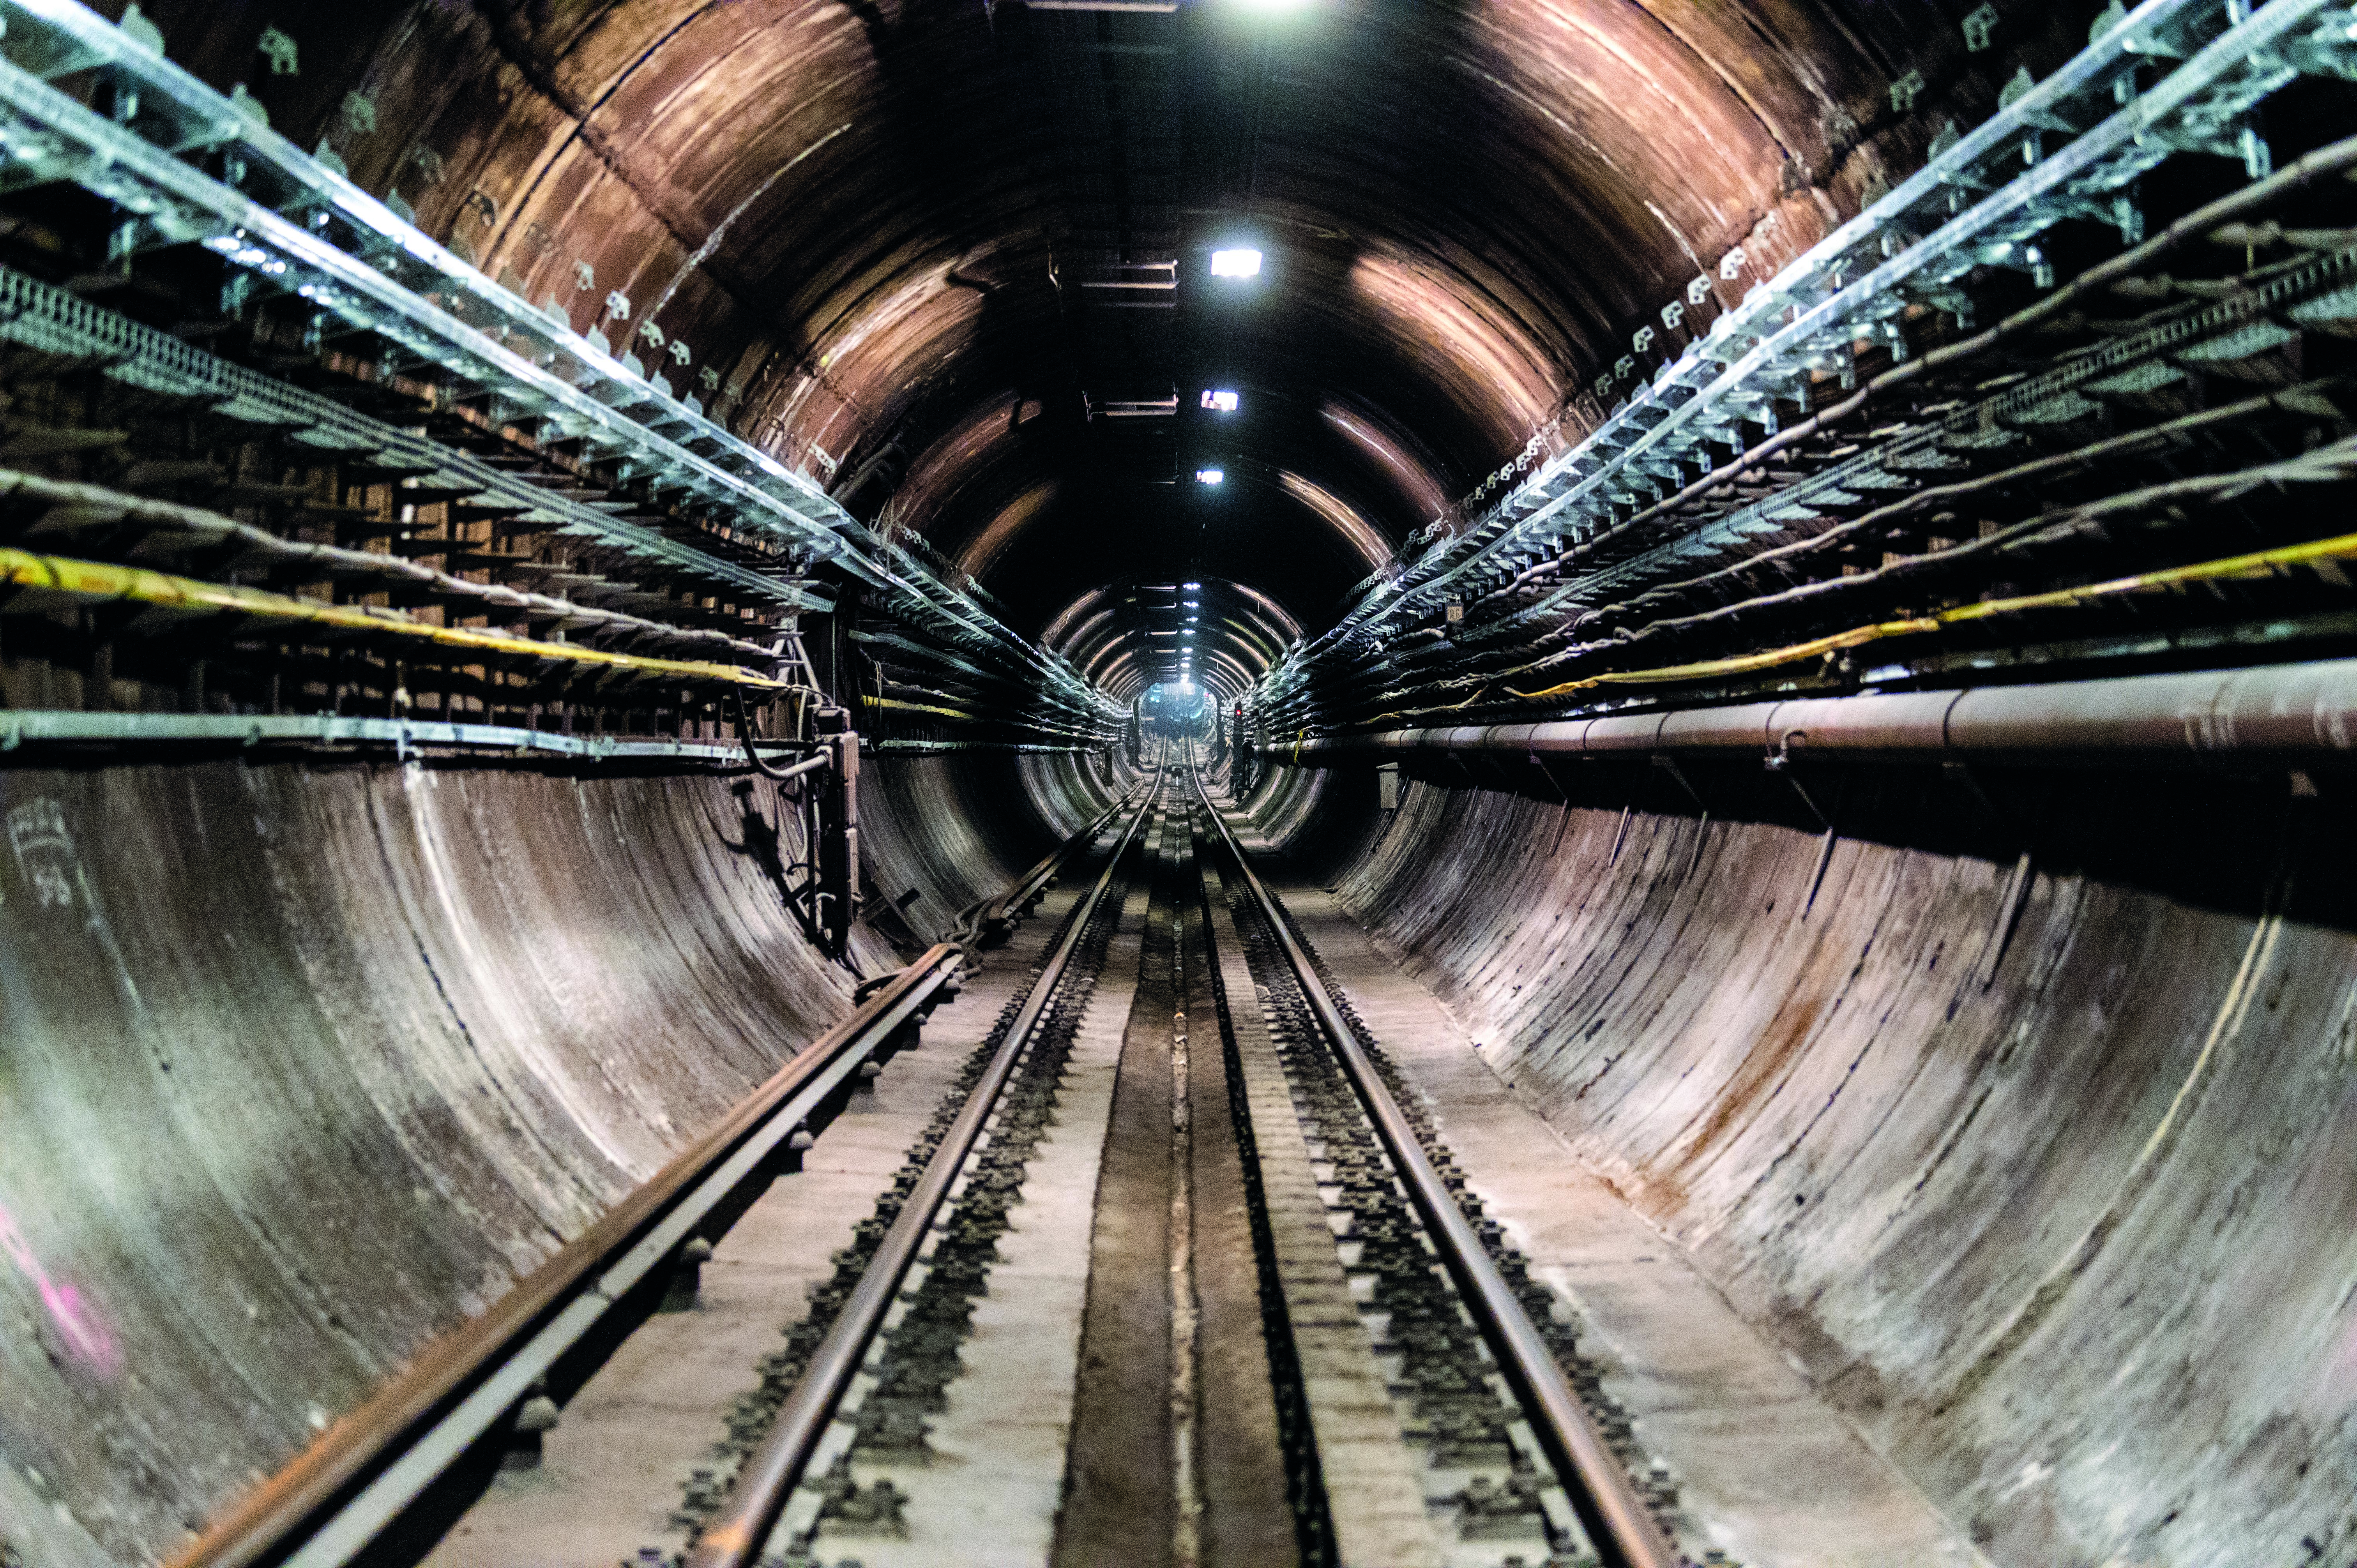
[(1176, 1273), (1301, 1342)]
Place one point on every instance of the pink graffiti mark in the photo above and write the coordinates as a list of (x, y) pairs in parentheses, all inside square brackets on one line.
[(78, 1323)]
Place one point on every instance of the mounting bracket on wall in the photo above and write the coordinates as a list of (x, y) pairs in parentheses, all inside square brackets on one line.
[(835, 893)]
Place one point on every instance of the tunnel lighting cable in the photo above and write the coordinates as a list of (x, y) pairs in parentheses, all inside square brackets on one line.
[(2326, 463), (767, 1481), (2303, 398), (1607, 1501), (95, 582), (2259, 563), (2333, 159), (768, 769), (387, 291)]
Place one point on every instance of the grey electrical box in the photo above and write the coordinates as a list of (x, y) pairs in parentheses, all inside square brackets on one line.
[(1387, 787)]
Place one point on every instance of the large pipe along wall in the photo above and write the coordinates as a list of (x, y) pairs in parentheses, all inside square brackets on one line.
[(2055, 1198)]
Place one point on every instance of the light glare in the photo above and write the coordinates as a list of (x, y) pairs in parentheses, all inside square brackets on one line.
[(1210, 476), (1235, 263), (1219, 401)]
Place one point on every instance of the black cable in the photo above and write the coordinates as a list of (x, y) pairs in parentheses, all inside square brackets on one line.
[(745, 734)]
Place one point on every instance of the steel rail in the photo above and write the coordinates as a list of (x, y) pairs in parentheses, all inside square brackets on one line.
[(1617, 1520), (738, 1532), (1034, 882), (325, 1507)]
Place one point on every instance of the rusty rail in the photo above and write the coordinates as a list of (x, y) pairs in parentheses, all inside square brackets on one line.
[(1608, 1504), (992, 916), (337, 1495), (763, 1486)]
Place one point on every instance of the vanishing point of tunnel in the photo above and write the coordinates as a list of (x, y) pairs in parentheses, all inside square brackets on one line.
[(1181, 783)]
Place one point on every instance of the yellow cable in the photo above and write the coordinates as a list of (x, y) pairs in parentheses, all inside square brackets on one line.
[(2259, 564), (902, 705), (97, 581)]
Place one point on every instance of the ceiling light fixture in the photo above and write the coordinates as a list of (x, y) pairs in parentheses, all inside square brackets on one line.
[(1210, 476), (1219, 401), (1236, 263)]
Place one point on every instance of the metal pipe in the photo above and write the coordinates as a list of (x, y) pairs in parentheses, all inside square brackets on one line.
[(768, 1479), (2326, 465), (2297, 714), (41, 728), (1609, 1503)]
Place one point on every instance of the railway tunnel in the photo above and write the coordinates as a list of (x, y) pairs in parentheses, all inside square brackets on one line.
[(1178, 781)]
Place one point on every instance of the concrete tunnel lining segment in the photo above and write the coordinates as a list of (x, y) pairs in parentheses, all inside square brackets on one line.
[(305, 1062)]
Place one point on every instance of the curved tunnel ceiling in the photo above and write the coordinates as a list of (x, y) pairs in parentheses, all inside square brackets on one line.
[(950, 257), (1210, 631)]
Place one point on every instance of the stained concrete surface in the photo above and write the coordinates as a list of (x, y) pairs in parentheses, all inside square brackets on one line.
[(989, 1497), (634, 1432), (1121, 1480), (2073, 1250), (1374, 1485), (1248, 1518), (305, 1064), (1776, 1478)]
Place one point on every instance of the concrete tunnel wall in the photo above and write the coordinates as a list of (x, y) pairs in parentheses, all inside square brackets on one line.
[(956, 827), (2078, 1250), (305, 1065)]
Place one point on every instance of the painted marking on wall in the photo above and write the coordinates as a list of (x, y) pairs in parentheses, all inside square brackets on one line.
[(78, 1323)]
